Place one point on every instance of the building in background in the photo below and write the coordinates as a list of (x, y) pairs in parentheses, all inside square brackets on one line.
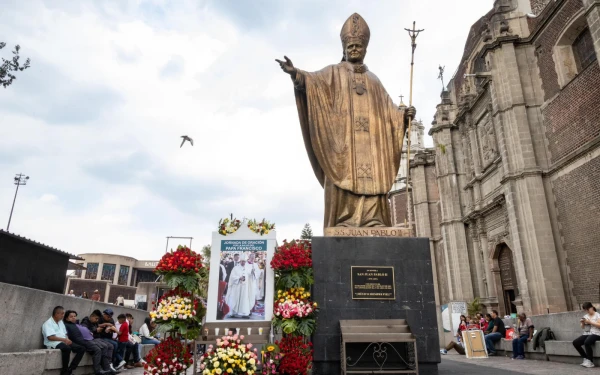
[(397, 195), (517, 162), (31, 264), (112, 275)]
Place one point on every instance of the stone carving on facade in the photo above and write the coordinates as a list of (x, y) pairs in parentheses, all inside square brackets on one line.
[(486, 35), (487, 140), (504, 28), (537, 6)]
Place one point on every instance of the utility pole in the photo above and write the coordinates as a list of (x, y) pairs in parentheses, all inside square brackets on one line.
[(19, 179)]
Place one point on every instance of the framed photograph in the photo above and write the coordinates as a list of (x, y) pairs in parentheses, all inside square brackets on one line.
[(241, 280)]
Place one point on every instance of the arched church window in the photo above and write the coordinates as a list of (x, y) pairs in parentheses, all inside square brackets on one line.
[(583, 50)]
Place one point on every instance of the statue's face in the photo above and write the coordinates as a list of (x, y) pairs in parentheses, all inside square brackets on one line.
[(355, 51)]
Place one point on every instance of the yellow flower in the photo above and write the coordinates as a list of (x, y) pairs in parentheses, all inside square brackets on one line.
[(270, 348), (218, 371)]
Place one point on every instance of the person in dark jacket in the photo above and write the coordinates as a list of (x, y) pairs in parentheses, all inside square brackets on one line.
[(92, 323), (83, 337), (107, 321)]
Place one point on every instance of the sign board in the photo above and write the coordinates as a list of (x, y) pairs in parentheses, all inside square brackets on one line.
[(474, 344), (243, 245), (373, 282), (241, 281)]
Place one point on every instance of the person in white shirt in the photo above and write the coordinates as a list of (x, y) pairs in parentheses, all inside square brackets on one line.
[(590, 323), (55, 337), (145, 334)]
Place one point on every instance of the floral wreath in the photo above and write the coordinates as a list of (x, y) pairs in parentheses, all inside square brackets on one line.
[(229, 226)]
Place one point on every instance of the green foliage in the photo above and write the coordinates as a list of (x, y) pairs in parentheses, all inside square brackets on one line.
[(306, 232), (11, 65), (474, 307), (189, 282), (302, 278), (289, 325), (206, 249), (307, 327), (442, 148)]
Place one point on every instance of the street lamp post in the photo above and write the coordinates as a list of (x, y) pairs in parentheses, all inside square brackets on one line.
[(20, 179)]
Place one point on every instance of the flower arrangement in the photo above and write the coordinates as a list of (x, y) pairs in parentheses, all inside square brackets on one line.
[(182, 268), (297, 356), (230, 356), (264, 227), (181, 261), (294, 312), (174, 305), (292, 264), (175, 311), (271, 358), (229, 226), (168, 357), (292, 255)]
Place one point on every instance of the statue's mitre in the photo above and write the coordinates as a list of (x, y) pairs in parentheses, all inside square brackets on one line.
[(355, 27)]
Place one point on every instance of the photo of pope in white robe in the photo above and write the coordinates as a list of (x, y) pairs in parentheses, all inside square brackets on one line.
[(243, 292)]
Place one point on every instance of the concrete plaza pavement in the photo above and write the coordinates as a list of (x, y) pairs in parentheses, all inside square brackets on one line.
[(454, 364)]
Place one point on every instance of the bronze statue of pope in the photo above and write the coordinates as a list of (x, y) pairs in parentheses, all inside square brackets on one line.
[(352, 131)]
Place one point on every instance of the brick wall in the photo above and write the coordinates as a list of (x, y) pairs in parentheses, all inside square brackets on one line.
[(400, 208), (572, 119), (578, 203), (547, 39)]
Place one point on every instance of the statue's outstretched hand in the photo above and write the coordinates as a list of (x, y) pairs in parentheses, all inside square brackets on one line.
[(287, 66)]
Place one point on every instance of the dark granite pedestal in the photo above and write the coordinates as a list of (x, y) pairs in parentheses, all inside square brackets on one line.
[(333, 258)]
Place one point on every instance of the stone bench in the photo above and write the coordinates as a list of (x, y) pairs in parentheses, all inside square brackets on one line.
[(45, 362), (556, 351)]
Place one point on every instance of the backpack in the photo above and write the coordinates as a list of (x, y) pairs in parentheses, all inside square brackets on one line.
[(543, 335)]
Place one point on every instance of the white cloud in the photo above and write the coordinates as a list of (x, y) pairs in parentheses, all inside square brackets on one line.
[(97, 127), (49, 198)]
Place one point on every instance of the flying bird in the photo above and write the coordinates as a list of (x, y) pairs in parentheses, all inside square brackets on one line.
[(186, 138)]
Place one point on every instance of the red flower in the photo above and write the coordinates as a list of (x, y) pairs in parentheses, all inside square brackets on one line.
[(292, 256), (183, 260)]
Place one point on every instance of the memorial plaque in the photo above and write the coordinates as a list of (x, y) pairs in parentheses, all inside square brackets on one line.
[(366, 232), (373, 282)]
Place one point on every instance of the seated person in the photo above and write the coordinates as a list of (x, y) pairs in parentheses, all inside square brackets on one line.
[(55, 337), (92, 323), (590, 323), (496, 335), (108, 323), (82, 336), (524, 334), (145, 332), (126, 346), (462, 326), (489, 324)]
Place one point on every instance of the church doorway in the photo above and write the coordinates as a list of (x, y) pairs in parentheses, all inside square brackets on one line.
[(508, 279)]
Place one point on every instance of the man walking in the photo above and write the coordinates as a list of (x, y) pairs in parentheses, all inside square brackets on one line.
[(55, 337)]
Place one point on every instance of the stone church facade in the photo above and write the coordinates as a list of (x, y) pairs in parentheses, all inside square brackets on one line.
[(510, 193)]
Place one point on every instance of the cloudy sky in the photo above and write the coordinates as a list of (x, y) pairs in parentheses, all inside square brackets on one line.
[(112, 86)]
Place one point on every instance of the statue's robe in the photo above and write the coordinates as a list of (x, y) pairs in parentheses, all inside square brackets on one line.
[(238, 292), (353, 134)]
